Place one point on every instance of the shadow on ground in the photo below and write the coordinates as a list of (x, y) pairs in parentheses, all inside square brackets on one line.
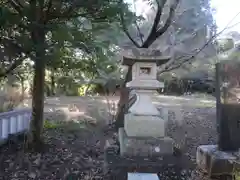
[(73, 151), (75, 140), (74, 137)]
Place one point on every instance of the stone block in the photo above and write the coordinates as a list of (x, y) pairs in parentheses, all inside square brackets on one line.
[(144, 147), (163, 113), (215, 162), (143, 105), (145, 84), (144, 126), (143, 176)]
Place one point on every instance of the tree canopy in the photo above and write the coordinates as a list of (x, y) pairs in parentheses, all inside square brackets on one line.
[(51, 33), (70, 42)]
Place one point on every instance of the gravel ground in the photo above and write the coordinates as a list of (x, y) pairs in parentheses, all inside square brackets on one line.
[(77, 153)]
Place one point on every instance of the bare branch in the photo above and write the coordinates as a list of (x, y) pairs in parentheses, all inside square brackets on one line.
[(41, 5), (199, 50), (140, 34), (15, 6), (125, 29), (19, 3), (171, 66), (68, 13), (158, 15), (168, 22), (11, 43), (64, 16), (188, 59), (128, 35), (155, 33), (71, 8), (151, 37), (49, 6), (16, 64), (18, 49)]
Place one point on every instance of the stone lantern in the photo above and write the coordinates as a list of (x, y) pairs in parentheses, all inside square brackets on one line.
[(143, 133), (142, 149)]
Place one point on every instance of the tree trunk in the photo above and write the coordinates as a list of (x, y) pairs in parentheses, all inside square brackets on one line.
[(88, 86), (52, 82), (124, 95), (22, 87), (86, 89), (35, 136)]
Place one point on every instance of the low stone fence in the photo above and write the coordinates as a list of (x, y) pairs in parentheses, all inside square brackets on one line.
[(14, 122)]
